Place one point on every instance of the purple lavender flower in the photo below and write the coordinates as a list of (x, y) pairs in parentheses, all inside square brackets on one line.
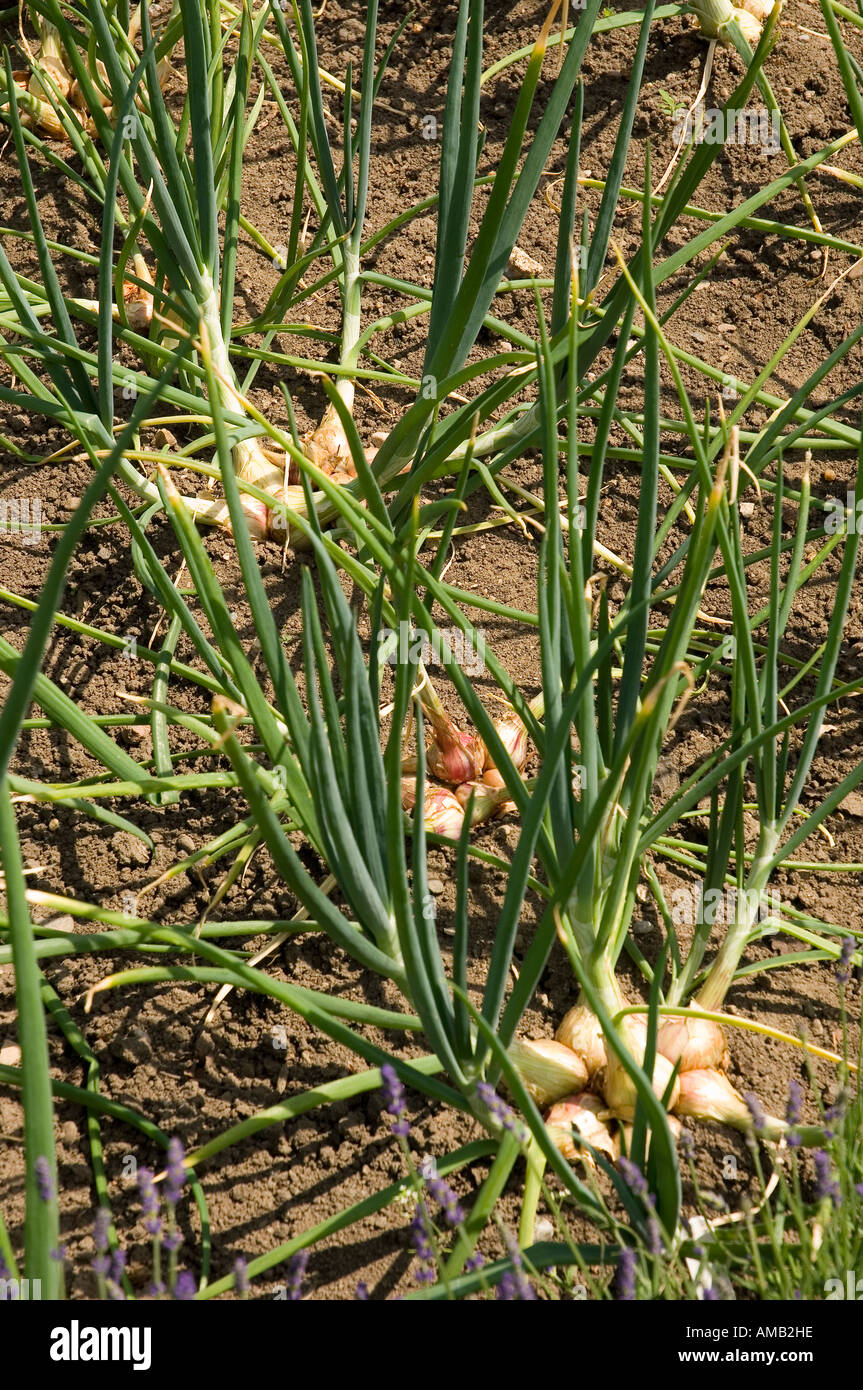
[(394, 1098), (513, 1287), (59, 1254), (473, 1263), (241, 1276), (626, 1275), (756, 1110), (102, 1265), (632, 1176), (444, 1195), (654, 1237), (44, 1178), (793, 1111), (499, 1110), (842, 971), (118, 1264), (686, 1143), (834, 1114), (175, 1172), (826, 1188), (859, 1189), (421, 1241), (296, 1271), (172, 1240), (710, 1295), (794, 1108), (362, 1292), (186, 1286), (149, 1199), (516, 1285)]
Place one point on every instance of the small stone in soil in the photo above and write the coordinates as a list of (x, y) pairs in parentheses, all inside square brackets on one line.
[(10, 1053)]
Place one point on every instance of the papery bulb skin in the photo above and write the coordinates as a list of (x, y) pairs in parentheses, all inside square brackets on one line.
[(617, 1085), (697, 1042), (581, 1112), (453, 756), (708, 1095), (513, 736), (759, 9), (328, 449), (705, 1094), (750, 26), (487, 800), (442, 813), (581, 1030), (547, 1069), (138, 302), (492, 778), (56, 74)]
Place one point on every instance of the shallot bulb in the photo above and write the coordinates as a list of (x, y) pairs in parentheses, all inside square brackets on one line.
[(616, 1084), (442, 813), (581, 1113), (513, 736), (548, 1069), (582, 1031), (696, 1042), (705, 1094), (487, 800), (453, 756)]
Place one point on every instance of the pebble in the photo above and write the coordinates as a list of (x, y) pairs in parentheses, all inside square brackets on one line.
[(436, 885), (10, 1053), (69, 1133), (64, 922), (544, 1229), (746, 510), (185, 842), (70, 503)]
